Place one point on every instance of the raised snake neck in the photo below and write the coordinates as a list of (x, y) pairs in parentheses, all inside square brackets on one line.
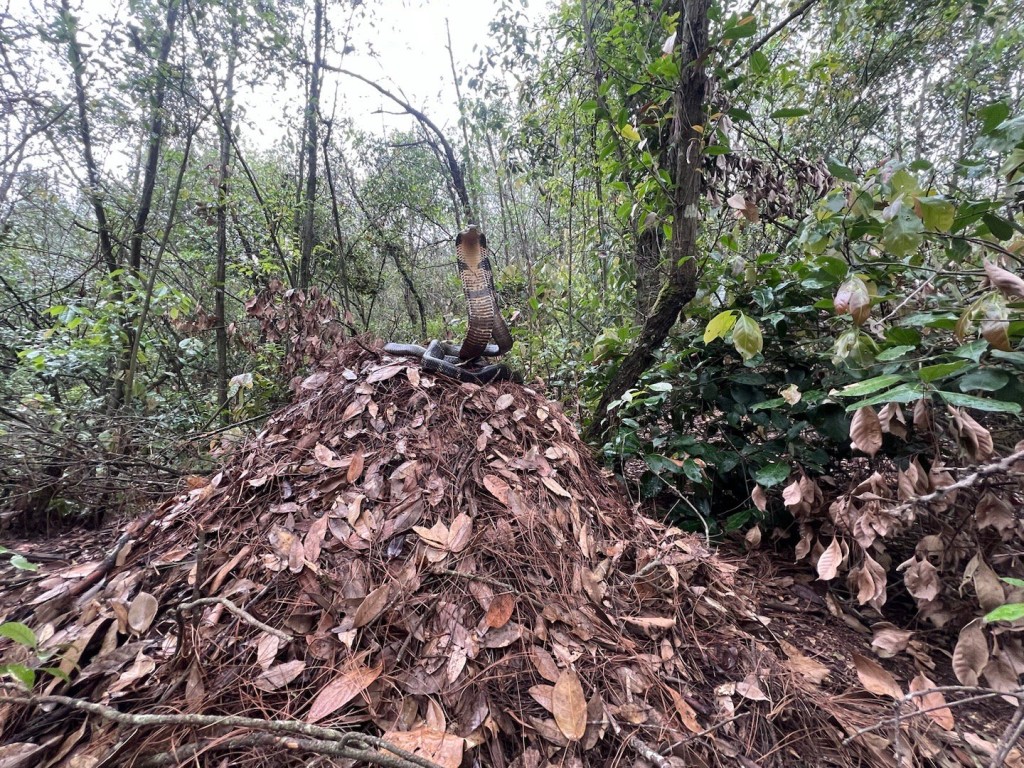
[(485, 320)]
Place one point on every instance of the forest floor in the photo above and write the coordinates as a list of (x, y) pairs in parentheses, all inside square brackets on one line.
[(404, 570)]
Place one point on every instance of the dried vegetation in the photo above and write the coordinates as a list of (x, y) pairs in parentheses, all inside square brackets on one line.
[(443, 567)]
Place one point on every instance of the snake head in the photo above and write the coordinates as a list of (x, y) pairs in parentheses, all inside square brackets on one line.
[(470, 237)]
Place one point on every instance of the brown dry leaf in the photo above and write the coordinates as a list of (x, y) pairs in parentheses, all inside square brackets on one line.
[(500, 610), (384, 373), (866, 431), (569, 706), (1008, 283), (753, 537), (988, 587), (316, 380), (460, 533), (413, 375), (555, 487), (974, 439), (436, 535), (971, 654), (373, 605), (750, 688), (141, 612), (326, 457), (651, 622), (922, 580), (280, 676), (497, 487), (943, 717), (444, 749), (266, 650), (757, 496), (544, 663), (355, 467), (993, 511), (889, 641), (923, 415), (792, 494), (877, 577), (687, 715), (876, 679), (803, 665), (354, 679), (504, 402), (828, 563), (544, 695)]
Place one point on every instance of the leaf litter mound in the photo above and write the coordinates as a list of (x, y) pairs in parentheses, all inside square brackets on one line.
[(439, 565)]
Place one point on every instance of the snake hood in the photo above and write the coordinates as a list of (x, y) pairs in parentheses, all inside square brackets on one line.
[(485, 321)]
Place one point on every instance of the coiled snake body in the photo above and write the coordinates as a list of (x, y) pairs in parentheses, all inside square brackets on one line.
[(485, 321)]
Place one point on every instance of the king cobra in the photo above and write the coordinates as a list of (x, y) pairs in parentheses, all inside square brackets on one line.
[(485, 321)]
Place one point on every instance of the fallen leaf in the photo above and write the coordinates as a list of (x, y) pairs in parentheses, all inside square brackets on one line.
[(460, 533), (504, 402), (384, 373), (373, 605), (500, 610), (687, 715), (569, 706), (444, 749), (804, 665), (280, 676), (757, 496), (750, 688), (141, 612), (342, 689), (326, 457), (497, 487), (555, 487), (943, 716), (875, 679), (355, 467)]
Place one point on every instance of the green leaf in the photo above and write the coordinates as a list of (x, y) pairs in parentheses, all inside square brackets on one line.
[(661, 386), (979, 403), (987, 380), (19, 561), (906, 393), (992, 115), (759, 63), (868, 386), (839, 170), (1016, 358), (1008, 612), (935, 372), (893, 352), (23, 674), (902, 235), (790, 112), (777, 402), (56, 672), (719, 325), (998, 226), (771, 474), (746, 337), (937, 213), (589, 105), (629, 132), (737, 113), (19, 633), (1012, 581), (692, 471), (904, 183)]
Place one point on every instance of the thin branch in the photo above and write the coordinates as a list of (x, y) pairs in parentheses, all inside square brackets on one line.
[(356, 746), (987, 470), (798, 11), (239, 612)]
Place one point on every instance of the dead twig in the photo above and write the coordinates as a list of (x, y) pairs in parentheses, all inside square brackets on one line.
[(1002, 466), (239, 612), (330, 741)]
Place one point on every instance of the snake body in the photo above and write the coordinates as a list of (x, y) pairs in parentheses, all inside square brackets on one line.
[(485, 321)]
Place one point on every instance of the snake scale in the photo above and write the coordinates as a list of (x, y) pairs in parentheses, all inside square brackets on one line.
[(485, 321)]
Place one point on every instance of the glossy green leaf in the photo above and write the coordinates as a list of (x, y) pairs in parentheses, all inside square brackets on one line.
[(19, 561), (903, 234), (771, 474), (979, 403), (1008, 612), (987, 380), (868, 386), (937, 213), (759, 63), (907, 393), (935, 372), (21, 673), (998, 226)]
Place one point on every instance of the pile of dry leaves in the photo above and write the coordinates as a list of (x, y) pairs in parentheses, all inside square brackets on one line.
[(406, 570)]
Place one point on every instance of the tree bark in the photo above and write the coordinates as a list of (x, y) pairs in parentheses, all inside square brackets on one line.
[(220, 280), (312, 146), (681, 282)]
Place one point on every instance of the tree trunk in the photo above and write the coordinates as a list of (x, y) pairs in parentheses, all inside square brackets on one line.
[(311, 148), (220, 281), (685, 148)]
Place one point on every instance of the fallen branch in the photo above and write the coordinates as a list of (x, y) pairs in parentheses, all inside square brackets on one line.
[(315, 738), (239, 612)]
